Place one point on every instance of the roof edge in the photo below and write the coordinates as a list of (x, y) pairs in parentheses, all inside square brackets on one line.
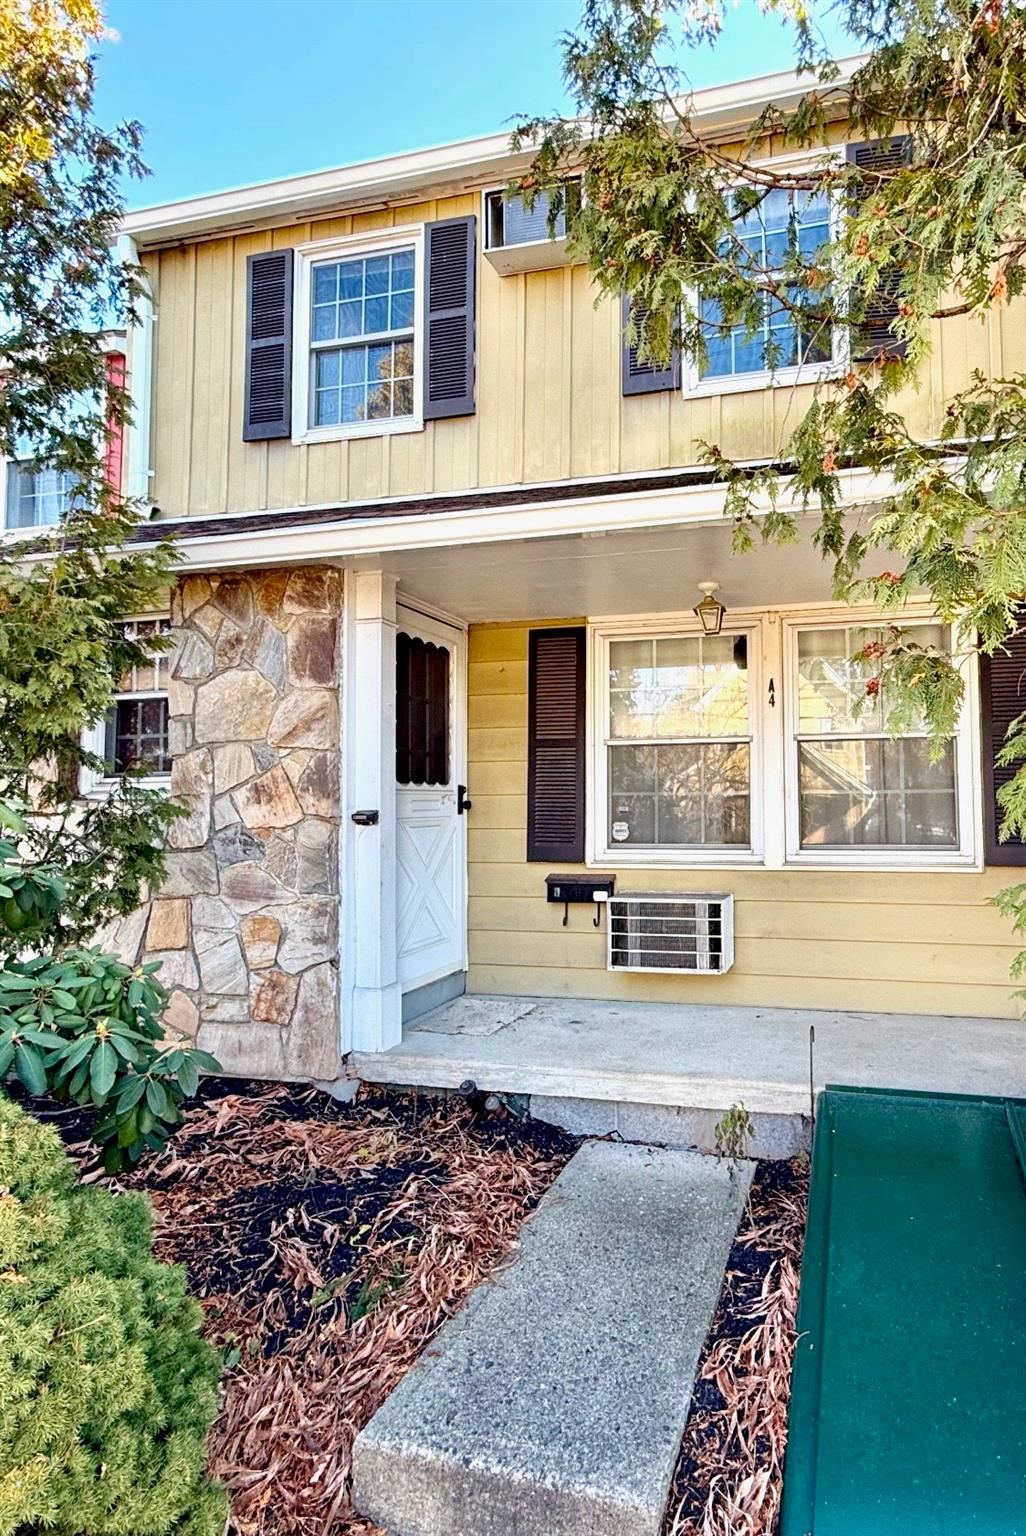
[(718, 109)]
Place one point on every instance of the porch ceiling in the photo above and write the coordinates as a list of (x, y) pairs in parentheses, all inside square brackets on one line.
[(640, 571)]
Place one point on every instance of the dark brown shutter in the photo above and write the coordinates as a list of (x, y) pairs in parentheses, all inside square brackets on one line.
[(1003, 699), (555, 745), (876, 336), (644, 378), (449, 348), (268, 411)]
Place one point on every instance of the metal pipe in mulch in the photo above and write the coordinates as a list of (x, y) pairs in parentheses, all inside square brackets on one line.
[(328, 1243), (729, 1474)]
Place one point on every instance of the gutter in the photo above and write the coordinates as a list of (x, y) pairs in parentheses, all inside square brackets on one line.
[(719, 112)]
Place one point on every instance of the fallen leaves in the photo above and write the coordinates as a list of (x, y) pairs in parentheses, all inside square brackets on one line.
[(730, 1473), (328, 1244)]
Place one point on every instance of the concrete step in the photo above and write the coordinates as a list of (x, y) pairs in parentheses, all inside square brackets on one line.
[(553, 1404)]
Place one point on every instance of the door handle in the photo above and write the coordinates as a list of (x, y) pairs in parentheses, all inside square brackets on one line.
[(462, 803)]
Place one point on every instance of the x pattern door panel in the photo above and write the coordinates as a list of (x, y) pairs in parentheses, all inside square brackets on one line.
[(430, 875)]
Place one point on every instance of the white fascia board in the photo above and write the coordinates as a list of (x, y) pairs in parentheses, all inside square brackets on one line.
[(677, 507), (717, 110)]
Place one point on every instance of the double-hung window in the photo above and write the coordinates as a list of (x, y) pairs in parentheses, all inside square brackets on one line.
[(861, 789), (359, 358), (134, 734), (784, 345), (677, 747), (36, 497)]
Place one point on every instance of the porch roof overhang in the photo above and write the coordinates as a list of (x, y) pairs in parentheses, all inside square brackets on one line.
[(622, 545)]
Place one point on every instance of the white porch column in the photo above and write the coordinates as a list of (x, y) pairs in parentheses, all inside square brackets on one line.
[(371, 996)]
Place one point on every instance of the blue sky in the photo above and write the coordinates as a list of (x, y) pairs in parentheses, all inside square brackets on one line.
[(237, 91)]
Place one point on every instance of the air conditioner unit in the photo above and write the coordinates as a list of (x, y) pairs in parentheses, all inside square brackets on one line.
[(679, 931)]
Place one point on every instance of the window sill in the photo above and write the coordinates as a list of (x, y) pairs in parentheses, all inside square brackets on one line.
[(358, 430), (102, 789), (20, 535), (888, 862), (651, 858), (754, 383)]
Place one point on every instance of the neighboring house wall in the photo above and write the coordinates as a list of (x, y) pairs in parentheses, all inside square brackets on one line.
[(548, 399), (246, 926), (916, 942)]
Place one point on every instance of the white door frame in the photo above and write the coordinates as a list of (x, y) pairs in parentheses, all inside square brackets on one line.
[(370, 995), (430, 622)]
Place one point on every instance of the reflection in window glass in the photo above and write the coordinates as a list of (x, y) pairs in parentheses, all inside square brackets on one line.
[(679, 754), (784, 221), (37, 498), (136, 733), (858, 786), (361, 339)]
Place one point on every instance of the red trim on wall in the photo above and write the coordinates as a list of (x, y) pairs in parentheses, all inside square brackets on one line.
[(115, 430)]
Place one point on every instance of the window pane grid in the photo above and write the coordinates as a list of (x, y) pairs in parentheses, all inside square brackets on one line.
[(678, 747), (768, 233), (860, 786), (37, 498), (136, 730), (361, 338), (363, 383)]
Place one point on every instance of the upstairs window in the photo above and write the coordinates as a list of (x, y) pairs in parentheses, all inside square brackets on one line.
[(782, 222), (363, 339), (509, 221), (36, 497)]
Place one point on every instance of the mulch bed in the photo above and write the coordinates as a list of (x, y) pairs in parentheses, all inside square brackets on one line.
[(327, 1244), (729, 1474)]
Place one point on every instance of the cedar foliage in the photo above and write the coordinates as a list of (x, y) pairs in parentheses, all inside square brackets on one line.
[(62, 650), (107, 1388), (937, 226)]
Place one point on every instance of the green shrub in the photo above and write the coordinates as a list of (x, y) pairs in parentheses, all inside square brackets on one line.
[(107, 1388), (83, 1026)]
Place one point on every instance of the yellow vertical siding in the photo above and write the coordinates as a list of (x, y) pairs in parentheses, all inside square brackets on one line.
[(549, 404), (921, 942)]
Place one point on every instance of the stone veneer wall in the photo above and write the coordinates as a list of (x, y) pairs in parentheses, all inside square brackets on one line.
[(246, 924)]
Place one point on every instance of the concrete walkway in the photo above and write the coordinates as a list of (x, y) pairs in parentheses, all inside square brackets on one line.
[(694, 1057), (554, 1402)]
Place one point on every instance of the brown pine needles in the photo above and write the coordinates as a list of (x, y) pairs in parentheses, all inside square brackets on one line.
[(730, 1473), (328, 1245)]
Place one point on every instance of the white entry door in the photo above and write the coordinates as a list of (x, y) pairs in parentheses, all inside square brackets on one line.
[(431, 858)]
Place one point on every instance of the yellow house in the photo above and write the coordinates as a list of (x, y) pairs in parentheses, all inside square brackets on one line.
[(474, 792)]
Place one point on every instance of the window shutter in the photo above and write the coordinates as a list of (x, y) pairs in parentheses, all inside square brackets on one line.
[(644, 378), (555, 746), (1003, 699), (268, 410), (450, 288), (876, 337)]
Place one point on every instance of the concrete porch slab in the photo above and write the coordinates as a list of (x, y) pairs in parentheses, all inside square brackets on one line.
[(694, 1057), (553, 1404)]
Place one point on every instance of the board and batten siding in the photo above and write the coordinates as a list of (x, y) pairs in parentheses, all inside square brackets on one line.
[(916, 942), (548, 402)]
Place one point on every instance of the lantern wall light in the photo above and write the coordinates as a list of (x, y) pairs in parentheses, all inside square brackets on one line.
[(710, 610)]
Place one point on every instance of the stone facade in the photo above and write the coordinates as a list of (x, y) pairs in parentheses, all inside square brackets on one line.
[(246, 925)]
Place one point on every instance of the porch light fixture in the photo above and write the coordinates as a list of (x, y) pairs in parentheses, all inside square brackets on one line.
[(710, 610)]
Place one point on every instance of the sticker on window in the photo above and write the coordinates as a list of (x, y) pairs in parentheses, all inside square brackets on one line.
[(621, 831)]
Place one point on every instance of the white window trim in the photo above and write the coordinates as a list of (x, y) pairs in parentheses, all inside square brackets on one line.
[(600, 850), (696, 388), (14, 535), (772, 657), (345, 247), (966, 739), (99, 786)]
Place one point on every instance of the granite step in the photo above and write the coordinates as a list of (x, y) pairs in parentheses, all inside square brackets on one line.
[(553, 1404)]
